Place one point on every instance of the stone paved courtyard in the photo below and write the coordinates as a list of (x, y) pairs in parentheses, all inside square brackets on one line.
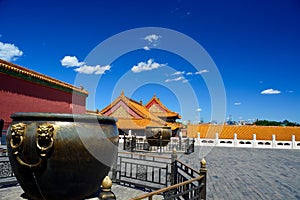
[(233, 173), (247, 173)]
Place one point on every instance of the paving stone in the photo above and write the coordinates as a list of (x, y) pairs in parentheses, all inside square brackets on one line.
[(244, 173)]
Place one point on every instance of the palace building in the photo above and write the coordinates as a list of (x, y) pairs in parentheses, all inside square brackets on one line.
[(157, 108), (24, 90), (134, 116)]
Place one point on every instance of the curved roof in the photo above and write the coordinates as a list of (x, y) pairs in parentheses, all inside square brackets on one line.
[(32, 76), (245, 132), (131, 114), (160, 110)]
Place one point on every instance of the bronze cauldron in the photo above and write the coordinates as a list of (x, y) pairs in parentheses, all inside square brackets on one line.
[(61, 156), (158, 135)]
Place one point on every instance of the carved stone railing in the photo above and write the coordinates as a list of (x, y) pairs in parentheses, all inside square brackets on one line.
[(248, 143), (6, 174)]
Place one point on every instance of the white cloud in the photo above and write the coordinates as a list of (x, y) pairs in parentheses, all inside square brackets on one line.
[(237, 103), (180, 78), (71, 61), (9, 52), (198, 109), (85, 69), (202, 71), (152, 38), (178, 73), (189, 73), (146, 66), (146, 48), (270, 91), (82, 68)]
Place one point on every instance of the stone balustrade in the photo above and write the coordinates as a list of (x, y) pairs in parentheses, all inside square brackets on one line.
[(254, 143)]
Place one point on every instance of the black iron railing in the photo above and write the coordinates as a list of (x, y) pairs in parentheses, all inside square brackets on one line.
[(185, 182), (160, 175), (142, 171), (131, 143)]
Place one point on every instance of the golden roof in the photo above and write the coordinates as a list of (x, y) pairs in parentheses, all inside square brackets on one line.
[(165, 113), (32, 76), (174, 125), (126, 121), (131, 124), (245, 132)]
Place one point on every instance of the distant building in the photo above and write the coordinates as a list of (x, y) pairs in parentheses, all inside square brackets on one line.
[(24, 90), (134, 116), (157, 108)]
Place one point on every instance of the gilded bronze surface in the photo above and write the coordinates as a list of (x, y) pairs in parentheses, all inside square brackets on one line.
[(61, 156), (17, 137), (44, 140)]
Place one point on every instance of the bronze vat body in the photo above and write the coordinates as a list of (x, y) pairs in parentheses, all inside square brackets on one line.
[(61, 156), (158, 135)]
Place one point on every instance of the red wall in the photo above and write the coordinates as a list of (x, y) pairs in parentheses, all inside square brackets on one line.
[(18, 95)]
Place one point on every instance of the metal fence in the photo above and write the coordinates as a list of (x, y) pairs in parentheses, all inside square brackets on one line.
[(142, 171), (131, 143), (183, 182)]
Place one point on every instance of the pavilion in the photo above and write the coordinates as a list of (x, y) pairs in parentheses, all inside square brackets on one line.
[(134, 117)]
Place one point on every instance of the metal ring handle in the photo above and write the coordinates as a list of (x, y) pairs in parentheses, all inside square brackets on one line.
[(17, 145), (44, 142), (17, 137), (31, 166), (43, 150), (44, 139)]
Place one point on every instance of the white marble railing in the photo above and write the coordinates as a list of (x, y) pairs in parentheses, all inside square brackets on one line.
[(254, 143)]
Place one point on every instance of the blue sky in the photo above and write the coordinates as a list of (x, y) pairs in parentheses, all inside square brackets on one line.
[(255, 46)]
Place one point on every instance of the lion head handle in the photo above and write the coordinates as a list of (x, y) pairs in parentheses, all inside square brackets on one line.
[(44, 139), (17, 137)]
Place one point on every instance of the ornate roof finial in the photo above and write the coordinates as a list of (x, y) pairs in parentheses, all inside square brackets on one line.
[(122, 93), (203, 163)]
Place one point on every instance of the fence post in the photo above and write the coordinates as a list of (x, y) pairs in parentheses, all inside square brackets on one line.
[(235, 142), (217, 139), (254, 140), (187, 145), (198, 139), (273, 141), (203, 171), (114, 169), (133, 143), (293, 142), (124, 142), (180, 137), (106, 193), (193, 145), (173, 167), (160, 143)]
